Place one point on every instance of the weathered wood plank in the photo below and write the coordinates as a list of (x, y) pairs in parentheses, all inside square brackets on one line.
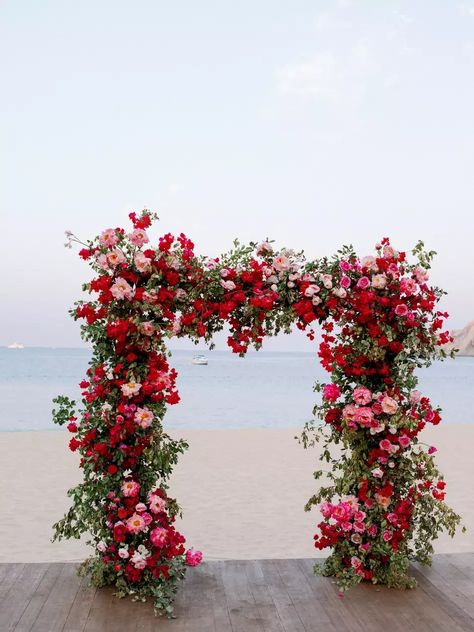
[(287, 612), (241, 605), (56, 608), (16, 600), (37, 601), (242, 596)]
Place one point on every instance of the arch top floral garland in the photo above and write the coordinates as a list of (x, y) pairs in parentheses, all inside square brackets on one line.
[(382, 501)]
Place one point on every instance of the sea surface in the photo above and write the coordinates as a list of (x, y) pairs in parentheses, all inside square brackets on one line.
[(264, 389)]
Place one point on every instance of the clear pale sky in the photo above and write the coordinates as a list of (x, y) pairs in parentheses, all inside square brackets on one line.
[(314, 123)]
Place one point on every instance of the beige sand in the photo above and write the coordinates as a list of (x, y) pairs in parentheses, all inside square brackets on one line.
[(242, 492)]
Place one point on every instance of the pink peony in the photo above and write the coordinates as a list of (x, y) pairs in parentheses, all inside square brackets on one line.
[(193, 558), (389, 405), (147, 328), (131, 388), (159, 537), (130, 488), (362, 395), (135, 523), (331, 392), (115, 257), (364, 417), (142, 263), (281, 263), (144, 417), (108, 238), (139, 237), (121, 290), (379, 281)]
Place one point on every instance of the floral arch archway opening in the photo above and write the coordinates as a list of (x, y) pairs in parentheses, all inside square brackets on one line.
[(383, 501)]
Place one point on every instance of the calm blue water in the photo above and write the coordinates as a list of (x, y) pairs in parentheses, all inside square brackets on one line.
[(265, 389)]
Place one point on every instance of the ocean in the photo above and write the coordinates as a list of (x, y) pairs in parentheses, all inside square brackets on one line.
[(264, 389)]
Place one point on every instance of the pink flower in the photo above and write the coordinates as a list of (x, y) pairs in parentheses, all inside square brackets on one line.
[(327, 281), (193, 558), (142, 263), (401, 310), (140, 507), (144, 417), (387, 535), (264, 248), (135, 523), (362, 395), (364, 417), (281, 263), (386, 445), (345, 282), (363, 283), (139, 237), (359, 516), (121, 290), (389, 405), (228, 285), (415, 397), (372, 530), (130, 389), (420, 274), (123, 553), (359, 527), (159, 537), (108, 238), (389, 252), (138, 560), (331, 392), (408, 287), (157, 504), (101, 546), (370, 263), (432, 450), (326, 509), (311, 290), (130, 488), (379, 281), (392, 518), (147, 328), (404, 441), (377, 472), (115, 257), (344, 266)]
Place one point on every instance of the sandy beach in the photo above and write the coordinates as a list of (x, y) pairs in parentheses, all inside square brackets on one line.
[(242, 492)]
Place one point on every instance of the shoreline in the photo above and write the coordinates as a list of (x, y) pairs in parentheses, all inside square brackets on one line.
[(242, 492)]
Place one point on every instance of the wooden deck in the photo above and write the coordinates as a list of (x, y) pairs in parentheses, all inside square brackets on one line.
[(242, 596)]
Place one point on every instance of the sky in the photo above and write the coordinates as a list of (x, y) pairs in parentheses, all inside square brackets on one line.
[(314, 123)]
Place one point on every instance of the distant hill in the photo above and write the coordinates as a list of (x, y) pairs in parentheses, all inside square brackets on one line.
[(463, 340)]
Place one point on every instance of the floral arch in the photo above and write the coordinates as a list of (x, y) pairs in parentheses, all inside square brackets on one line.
[(382, 501)]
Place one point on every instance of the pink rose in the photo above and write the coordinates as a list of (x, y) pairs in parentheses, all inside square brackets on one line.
[(144, 417), (359, 527), (420, 274), (364, 417), (139, 237), (331, 392), (228, 285), (349, 411), (362, 395), (108, 238), (135, 523), (130, 488), (387, 535), (344, 266), (345, 282), (159, 537), (401, 310), (147, 328), (193, 558), (377, 472), (157, 504), (392, 518), (386, 445), (370, 263), (363, 283), (408, 287), (115, 257), (415, 397), (379, 281), (121, 290), (372, 530), (389, 405), (326, 509), (404, 441), (281, 263), (264, 248), (142, 263)]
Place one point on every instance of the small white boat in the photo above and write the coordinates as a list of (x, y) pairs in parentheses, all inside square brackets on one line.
[(16, 345), (199, 359)]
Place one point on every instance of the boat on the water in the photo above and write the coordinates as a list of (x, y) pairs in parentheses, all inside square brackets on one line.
[(16, 345), (199, 359)]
